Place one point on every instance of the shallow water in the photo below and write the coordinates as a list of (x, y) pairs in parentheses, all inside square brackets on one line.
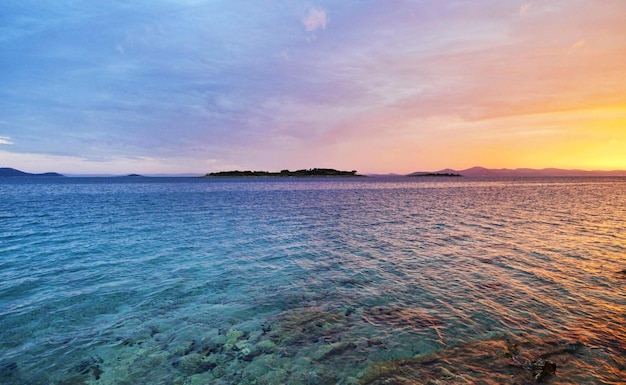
[(311, 281)]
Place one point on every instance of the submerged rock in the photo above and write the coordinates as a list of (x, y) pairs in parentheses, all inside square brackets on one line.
[(245, 350), (186, 348), (89, 366), (303, 325), (333, 349), (232, 336), (498, 360), (266, 346), (194, 363), (543, 369), (212, 346)]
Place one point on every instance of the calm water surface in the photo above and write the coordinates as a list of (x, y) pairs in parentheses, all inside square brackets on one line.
[(312, 281)]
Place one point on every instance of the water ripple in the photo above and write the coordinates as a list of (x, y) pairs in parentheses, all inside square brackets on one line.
[(107, 281)]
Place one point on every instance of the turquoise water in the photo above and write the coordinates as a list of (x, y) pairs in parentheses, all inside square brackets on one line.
[(311, 281)]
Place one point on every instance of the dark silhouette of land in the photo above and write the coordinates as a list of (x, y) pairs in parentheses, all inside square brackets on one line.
[(436, 174), (329, 172), (518, 172), (313, 172), (11, 172)]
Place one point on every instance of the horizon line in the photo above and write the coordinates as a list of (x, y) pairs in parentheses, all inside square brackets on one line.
[(197, 174)]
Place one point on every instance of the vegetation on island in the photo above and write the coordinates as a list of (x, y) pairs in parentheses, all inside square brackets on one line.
[(437, 174), (312, 172)]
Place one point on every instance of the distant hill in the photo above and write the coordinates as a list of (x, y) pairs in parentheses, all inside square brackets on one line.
[(6, 171), (502, 172)]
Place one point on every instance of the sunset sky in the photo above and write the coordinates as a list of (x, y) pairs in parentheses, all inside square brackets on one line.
[(176, 86)]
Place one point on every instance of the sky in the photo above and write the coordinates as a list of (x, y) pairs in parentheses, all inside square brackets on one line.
[(394, 86)]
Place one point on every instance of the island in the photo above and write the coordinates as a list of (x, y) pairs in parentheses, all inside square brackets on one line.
[(436, 174), (11, 172), (312, 172)]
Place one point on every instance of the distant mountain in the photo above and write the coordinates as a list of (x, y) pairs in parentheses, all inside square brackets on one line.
[(6, 171), (502, 172)]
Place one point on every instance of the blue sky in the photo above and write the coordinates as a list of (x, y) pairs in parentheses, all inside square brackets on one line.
[(377, 86)]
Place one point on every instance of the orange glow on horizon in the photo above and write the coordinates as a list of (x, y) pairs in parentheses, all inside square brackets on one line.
[(587, 139)]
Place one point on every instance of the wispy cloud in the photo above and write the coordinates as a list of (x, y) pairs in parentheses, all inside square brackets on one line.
[(186, 82), (5, 140), (524, 8), (315, 19)]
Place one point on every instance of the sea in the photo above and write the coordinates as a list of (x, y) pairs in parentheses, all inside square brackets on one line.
[(372, 280)]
